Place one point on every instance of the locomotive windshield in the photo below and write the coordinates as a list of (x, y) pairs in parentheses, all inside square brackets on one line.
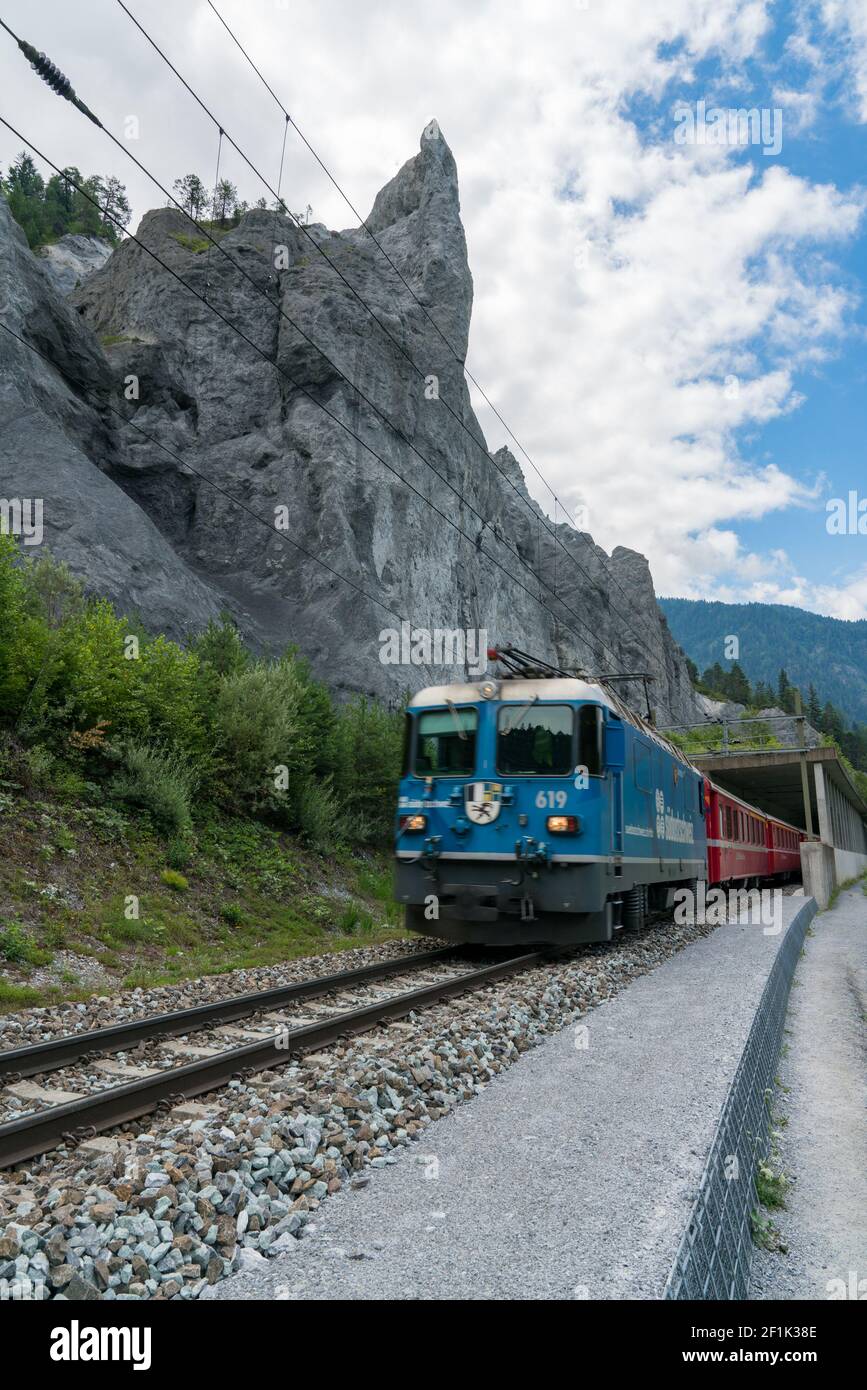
[(536, 739), (446, 742)]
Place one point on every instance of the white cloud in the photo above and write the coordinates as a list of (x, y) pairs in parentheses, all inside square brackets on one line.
[(847, 600), (847, 19)]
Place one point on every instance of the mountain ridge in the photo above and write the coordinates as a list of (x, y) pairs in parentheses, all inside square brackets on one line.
[(142, 523), (829, 653)]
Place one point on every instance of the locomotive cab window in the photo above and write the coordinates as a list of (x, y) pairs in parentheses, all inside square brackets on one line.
[(446, 742), (536, 739)]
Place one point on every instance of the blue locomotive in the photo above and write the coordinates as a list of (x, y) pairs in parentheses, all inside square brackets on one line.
[(538, 808)]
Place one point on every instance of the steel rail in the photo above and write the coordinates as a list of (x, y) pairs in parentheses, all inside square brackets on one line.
[(43, 1130), (19, 1062)]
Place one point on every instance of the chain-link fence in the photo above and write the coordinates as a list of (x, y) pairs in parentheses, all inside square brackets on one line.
[(714, 1257)]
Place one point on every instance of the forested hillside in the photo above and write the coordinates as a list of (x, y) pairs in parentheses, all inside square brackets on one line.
[(824, 652)]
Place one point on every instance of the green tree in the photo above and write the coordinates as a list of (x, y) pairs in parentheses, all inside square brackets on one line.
[(115, 206), (25, 190), (831, 723), (224, 201), (191, 194), (785, 693), (737, 685)]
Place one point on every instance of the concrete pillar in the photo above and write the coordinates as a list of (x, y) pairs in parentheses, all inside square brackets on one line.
[(825, 831), (818, 870)]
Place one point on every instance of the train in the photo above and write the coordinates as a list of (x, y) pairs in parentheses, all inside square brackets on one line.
[(537, 807)]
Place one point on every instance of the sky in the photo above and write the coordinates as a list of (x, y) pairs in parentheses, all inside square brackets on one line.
[(669, 303)]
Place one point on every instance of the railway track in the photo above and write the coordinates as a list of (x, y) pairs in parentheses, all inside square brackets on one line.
[(68, 1117)]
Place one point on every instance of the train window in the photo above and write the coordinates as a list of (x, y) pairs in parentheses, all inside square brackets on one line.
[(536, 739), (590, 739), (641, 765), (446, 741), (728, 834)]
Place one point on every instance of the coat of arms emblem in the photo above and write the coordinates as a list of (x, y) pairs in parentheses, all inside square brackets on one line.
[(482, 801)]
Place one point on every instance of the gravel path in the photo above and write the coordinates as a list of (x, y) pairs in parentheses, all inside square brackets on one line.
[(571, 1175), (823, 1144)]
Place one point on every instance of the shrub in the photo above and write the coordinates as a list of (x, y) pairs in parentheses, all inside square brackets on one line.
[(172, 879), (318, 815), (258, 726), (367, 750), (179, 852), (160, 781), (16, 945), (233, 913), (354, 919)]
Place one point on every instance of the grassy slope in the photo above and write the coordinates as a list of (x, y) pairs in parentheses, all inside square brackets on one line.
[(253, 896)]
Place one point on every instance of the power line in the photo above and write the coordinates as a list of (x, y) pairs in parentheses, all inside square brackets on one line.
[(480, 443), (236, 501), (405, 439), (212, 241), (299, 387), (457, 356)]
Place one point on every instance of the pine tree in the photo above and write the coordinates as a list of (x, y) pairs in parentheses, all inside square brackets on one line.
[(191, 194), (25, 190), (814, 709), (785, 693), (831, 723), (115, 206), (737, 685), (224, 201), (763, 696)]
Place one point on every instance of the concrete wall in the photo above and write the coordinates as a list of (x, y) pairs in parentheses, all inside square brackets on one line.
[(819, 870), (849, 864)]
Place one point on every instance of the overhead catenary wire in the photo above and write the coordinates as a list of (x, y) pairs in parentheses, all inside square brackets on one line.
[(298, 386), (404, 438), (464, 501), (224, 492), (480, 443), (589, 637), (552, 532), (211, 241)]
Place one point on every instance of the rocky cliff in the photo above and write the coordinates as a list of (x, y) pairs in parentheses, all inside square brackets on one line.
[(160, 531), (71, 259)]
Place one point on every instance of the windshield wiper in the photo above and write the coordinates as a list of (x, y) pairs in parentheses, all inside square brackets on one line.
[(462, 733), (521, 711)]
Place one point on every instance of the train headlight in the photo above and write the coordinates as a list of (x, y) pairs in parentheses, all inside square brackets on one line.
[(563, 825), (489, 690), (413, 824)]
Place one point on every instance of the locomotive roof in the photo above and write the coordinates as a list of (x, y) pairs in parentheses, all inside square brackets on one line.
[(551, 688)]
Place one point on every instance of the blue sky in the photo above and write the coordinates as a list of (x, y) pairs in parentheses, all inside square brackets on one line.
[(824, 441)]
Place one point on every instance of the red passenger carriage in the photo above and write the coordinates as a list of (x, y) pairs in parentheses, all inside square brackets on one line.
[(744, 844)]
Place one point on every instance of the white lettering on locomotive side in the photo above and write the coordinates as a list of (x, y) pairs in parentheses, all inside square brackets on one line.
[(678, 829)]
